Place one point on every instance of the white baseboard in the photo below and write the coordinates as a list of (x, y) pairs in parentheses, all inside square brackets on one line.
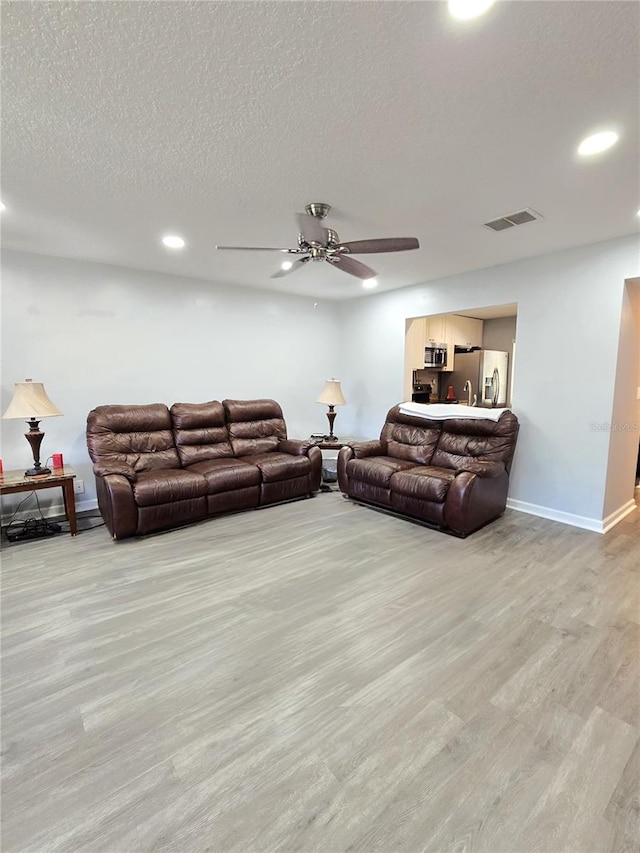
[(50, 512), (622, 512), (597, 525)]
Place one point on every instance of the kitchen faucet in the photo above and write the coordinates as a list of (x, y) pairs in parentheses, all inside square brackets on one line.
[(469, 389)]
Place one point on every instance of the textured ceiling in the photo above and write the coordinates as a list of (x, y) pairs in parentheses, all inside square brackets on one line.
[(122, 121)]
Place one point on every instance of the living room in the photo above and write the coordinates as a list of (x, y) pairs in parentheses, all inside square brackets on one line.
[(114, 134)]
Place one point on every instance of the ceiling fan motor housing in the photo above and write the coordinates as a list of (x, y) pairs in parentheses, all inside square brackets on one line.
[(318, 209)]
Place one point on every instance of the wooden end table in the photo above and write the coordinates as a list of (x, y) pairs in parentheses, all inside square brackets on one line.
[(332, 445), (12, 482)]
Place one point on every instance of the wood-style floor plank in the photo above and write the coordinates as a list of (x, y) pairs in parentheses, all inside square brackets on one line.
[(319, 677)]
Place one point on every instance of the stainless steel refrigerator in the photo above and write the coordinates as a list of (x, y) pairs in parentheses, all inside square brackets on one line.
[(486, 369)]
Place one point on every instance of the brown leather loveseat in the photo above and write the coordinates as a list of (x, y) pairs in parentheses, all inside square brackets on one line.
[(452, 474), (158, 468)]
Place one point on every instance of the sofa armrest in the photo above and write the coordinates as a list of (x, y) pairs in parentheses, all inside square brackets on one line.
[(103, 467), (482, 468), (295, 447), (117, 504), (308, 448), (362, 449)]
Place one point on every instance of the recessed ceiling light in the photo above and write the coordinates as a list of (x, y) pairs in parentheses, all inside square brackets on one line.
[(286, 265), (638, 214), (464, 10), (370, 283), (172, 241), (2, 206), (598, 142)]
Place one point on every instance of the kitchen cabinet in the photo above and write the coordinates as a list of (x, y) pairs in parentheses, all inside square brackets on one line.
[(436, 333), (435, 329), (461, 332), (464, 331)]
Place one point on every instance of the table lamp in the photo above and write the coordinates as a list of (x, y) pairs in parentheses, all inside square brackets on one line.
[(331, 396), (30, 402)]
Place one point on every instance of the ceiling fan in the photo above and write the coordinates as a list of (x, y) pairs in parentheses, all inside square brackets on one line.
[(317, 243)]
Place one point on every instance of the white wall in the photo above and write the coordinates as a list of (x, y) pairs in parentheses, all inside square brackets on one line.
[(98, 334), (101, 334), (569, 310)]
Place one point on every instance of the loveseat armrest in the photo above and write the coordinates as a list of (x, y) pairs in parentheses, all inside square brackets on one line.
[(104, 467), (362, 449), (484, 468), (294, 446), (355, 450), (472, 501)]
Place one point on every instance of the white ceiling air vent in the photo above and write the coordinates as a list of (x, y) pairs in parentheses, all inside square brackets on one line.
[(511, 219)]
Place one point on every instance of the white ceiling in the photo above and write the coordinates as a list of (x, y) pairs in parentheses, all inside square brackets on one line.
[(219, 120)]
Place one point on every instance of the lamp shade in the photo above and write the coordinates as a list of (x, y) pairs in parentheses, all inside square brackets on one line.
[(30, 400), (331, 394)]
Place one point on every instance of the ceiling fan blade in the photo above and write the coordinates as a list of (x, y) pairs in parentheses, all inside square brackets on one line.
[(383, 244), (294, 266), (311, 229), (257, 249), (353, 267)]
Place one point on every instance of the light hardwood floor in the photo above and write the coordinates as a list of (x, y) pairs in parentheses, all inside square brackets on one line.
[(322, 677)]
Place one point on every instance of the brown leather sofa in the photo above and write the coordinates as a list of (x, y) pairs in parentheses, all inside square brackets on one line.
[(158, 468), (451, 474)]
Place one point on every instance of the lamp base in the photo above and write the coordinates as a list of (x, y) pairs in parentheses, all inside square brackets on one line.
[(37, 472), (34, 437), (331, 415)]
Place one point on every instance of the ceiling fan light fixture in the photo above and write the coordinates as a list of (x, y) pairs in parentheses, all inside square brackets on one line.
[(597, 142), (172, 241), (465, 10)]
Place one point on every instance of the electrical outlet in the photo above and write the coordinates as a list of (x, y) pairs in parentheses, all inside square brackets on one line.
[(78, 487)]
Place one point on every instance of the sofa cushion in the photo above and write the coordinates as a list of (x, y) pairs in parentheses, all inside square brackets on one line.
[(279, 466), (200, 432), (224, 475), (426, 483), (255, 426), (157, 487), (377, 470), (137, 436)]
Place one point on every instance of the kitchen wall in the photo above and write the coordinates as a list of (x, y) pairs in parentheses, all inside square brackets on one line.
[(569, 313), (97, 334), (499, 333)]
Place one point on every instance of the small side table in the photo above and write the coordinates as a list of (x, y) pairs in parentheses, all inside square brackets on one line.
[(332, 445), (329, 471), (12, 482)]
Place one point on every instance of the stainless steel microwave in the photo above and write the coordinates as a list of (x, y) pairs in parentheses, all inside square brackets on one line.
[(435, 355)]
